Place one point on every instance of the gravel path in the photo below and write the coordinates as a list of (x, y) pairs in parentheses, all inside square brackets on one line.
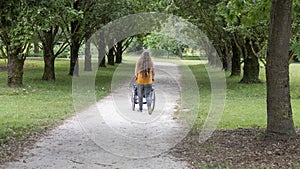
[(102, 136)]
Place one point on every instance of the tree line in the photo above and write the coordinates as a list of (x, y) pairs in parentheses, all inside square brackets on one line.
[(242, 32), (67, 22), (239, 31)]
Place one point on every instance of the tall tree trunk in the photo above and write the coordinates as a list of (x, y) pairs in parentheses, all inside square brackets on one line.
[(74, 66), (119, 52), (225, 64), (15, 69), (235, 61), (251, 65), (48, 51), (111, 56), (88, 57), (15, 64), (75, 45), (280, 121), (216, 59), (101, 49), (102, 62)]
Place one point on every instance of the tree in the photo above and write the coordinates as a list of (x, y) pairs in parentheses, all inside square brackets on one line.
[(111, 56), (16, 32), (87, 52), (279, 112), (81, 27), (76, 39), (158, 41), (51, 30), (247, 21), (204, 14), (91, 20)]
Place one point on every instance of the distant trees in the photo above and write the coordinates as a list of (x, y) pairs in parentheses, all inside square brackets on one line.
[(238, 31), (248, 21), (204, 14), (162, 42)]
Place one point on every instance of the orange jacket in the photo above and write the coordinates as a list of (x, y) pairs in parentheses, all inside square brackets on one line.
[(145, 80)]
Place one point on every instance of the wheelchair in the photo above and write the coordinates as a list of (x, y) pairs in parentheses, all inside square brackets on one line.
[(135, 99)]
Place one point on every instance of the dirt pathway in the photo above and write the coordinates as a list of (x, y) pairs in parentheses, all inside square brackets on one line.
[(102, 136)]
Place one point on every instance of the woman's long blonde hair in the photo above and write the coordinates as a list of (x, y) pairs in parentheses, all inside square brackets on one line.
[(144, 64)]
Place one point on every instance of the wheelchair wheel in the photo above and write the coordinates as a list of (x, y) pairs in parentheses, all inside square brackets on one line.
[(133, 100), (153, 99)]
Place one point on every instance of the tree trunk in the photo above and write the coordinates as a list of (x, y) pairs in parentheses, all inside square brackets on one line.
[(15, 64), (101, 58), (101, 49), (74, 66), (75, 45), (15, 69), (49, 70), (36, 48), (111, 56), (280, 122), (180, 52), (235, 61), (215, 58), (251, 65), (88, 57), (225, 65), (49, 58), (119, 52)]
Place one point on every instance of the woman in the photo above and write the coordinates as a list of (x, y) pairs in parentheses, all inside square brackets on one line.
[(144, 74)]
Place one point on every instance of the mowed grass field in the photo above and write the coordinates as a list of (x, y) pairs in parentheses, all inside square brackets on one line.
[(245, 104), (39, 104)]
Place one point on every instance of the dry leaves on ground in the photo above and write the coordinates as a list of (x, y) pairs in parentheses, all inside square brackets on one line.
[(245, 148)]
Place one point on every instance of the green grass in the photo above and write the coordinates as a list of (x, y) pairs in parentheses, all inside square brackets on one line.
[(245, 103), (39, 104)]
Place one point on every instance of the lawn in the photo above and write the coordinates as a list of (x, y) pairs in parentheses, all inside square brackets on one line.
[(245, 105), (39, 104)]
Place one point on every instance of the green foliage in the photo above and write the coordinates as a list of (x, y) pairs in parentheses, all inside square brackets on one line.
[(150, 5), (295, 42), (248, 18), (295, 47), (158, 41), (135, 45), (16, 24)]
